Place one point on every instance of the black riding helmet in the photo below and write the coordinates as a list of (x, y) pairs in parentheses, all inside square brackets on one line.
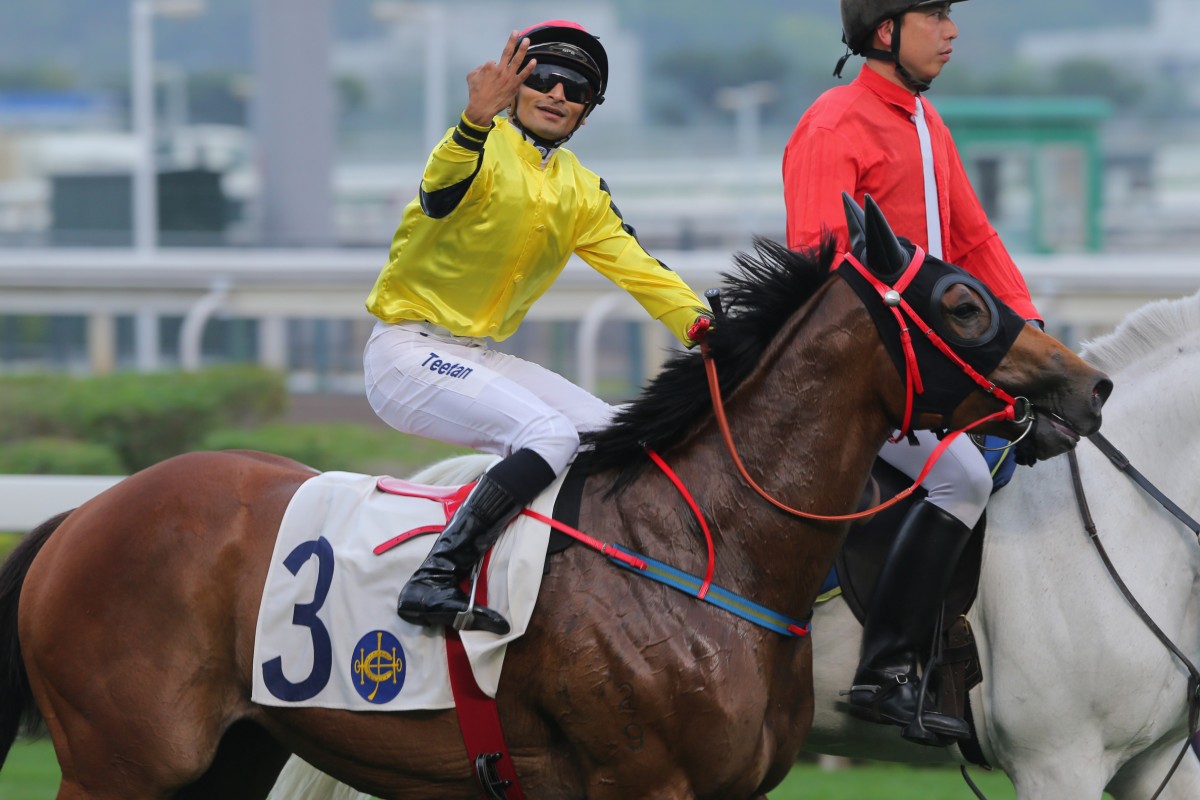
[(860, 18), (568, 44)]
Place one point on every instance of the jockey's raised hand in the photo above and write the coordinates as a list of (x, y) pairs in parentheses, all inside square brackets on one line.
[(492, 86)]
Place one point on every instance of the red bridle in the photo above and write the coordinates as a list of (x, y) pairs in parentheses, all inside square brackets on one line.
[(892, 299)]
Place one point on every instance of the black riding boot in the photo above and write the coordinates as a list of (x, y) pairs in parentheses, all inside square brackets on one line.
[(432, 596), (900, 621)]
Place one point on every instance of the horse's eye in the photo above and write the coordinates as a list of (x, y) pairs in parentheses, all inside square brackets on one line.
[(966, 311)]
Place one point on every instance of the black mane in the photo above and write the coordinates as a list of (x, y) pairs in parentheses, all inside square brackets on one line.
[(764, 290)]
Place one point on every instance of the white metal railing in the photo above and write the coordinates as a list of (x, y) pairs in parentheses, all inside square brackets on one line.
[(26, 501)]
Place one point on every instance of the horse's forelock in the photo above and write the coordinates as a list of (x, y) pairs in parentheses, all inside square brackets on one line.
[(1143, 333), (759, 295)]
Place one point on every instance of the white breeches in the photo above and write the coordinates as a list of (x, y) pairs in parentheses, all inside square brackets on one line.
[(959, 483), (424, 381)]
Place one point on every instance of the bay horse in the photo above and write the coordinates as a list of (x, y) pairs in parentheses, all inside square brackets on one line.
[(1077, 696), (128, 623)]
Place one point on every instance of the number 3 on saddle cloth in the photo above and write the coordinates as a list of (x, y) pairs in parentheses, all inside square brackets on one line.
[(858, 565), (328, 635)]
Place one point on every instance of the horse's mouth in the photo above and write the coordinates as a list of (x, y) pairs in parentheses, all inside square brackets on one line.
[(1054, 435), (1061, 427)]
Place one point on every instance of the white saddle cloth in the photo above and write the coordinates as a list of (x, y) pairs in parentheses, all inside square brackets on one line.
[(328, 635)]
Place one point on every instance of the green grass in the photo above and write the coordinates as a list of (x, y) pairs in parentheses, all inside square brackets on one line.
[(807, 781), (7, 542), (31, 773)]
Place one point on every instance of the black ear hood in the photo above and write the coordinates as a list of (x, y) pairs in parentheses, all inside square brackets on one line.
[(945, 384)]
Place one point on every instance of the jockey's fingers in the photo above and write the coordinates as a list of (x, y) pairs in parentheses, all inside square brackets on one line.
[(523, 75), (513, 49), (513, 67)]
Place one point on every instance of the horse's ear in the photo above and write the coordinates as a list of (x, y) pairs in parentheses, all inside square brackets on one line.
[(885, 254), (856, 223)]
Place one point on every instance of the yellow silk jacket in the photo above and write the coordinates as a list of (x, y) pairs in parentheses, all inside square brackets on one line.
[(492, 229)]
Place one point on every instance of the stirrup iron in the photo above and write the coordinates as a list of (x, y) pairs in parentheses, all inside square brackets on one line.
[(463, 620)]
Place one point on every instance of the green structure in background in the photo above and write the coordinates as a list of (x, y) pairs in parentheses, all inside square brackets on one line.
[(1036, 164)]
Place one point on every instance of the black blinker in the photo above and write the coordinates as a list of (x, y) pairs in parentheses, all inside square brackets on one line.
[(856, 223), (885, 254)]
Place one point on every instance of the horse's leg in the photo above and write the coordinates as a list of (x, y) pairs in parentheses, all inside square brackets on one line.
[(1058, 775), (1141, 777), (248, 762)]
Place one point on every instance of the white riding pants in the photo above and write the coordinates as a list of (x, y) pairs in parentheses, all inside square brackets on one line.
[(422, 380), (959, 483)]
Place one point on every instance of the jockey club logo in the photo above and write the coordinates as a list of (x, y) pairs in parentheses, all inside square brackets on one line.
[(378, 664)]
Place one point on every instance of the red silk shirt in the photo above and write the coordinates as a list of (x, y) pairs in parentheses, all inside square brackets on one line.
[(861, 139)]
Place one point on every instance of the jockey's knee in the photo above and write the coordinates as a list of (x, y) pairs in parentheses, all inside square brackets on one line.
[(965, 495), (551, 436)]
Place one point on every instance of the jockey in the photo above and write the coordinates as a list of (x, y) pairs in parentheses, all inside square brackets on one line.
[(880, 136), (502, 206)]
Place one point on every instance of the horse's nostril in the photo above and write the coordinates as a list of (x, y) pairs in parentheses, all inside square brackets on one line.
[(1102, 390)]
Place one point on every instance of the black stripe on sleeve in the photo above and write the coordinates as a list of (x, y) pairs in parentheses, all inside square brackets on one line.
[(625, 225), (440, 202)]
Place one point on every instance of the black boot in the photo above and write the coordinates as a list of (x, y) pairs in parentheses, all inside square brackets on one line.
[(900, 621), (432, 596)]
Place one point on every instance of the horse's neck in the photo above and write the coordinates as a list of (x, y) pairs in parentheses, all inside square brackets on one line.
[(1035, 533), (808, 425)]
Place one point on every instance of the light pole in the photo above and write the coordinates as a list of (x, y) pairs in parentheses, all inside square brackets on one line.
[(434, 17), (747, 102), (145, 169)]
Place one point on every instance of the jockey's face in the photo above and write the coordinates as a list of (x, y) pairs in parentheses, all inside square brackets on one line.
[(926, 40), (549, 115)]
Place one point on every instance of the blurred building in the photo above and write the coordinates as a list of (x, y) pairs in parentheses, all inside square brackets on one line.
[(394, 69), (1163, 50)]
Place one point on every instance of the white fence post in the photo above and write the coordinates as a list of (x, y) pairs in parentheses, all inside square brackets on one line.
[(27, 501)]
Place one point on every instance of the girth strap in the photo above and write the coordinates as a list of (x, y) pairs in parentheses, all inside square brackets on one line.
[(479, 718)]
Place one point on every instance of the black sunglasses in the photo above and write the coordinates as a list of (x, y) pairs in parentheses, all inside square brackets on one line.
[(576, 87)]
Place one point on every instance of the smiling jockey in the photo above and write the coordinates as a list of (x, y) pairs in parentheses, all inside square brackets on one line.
[(502, 207)]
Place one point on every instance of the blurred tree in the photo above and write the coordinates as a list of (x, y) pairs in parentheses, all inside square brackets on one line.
[(1096, 77), (215, 97), (36, 76), (352, 94), (695, 75)]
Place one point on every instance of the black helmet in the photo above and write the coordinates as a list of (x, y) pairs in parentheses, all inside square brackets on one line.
[(860, 18), (568, 44)]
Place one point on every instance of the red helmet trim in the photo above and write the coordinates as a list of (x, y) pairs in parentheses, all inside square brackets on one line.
[(553, 23)]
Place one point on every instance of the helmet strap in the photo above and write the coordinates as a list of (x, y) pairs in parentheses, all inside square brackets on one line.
[(912, 83), (545, 146), (837, 71)]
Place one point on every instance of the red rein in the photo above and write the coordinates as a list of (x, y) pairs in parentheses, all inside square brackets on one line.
[(890, 296)]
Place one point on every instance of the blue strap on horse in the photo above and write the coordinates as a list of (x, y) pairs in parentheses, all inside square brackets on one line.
[(735, 604)]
